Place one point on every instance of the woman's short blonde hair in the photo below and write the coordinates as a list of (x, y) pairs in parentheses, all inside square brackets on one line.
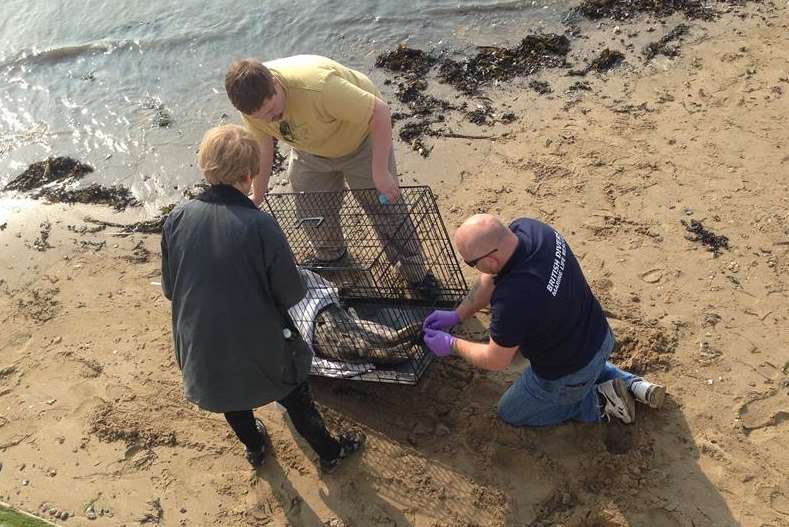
[(228, 154)]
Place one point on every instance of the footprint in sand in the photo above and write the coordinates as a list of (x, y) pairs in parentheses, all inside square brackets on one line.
[(775, 496), (652, 276), (770, 409)]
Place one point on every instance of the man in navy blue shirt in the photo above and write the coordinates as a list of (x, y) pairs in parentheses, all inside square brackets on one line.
[(542, 306)]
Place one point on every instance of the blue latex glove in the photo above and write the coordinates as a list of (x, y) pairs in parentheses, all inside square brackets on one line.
[(439, 319), (439, 342)]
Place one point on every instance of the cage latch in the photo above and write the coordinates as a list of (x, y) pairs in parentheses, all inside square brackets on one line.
[(316, 220)]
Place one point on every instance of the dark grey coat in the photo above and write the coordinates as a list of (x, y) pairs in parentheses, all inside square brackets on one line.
[(231, 277)]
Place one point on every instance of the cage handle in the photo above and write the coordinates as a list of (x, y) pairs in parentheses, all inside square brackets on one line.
[(317, 220)]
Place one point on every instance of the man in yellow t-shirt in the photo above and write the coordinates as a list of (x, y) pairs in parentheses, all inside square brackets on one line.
[(340, 133)]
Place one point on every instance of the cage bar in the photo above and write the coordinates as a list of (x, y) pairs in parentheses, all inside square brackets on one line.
[(373, 273)]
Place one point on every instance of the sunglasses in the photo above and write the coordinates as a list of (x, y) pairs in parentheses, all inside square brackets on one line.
[(475, 261), (284, 130)]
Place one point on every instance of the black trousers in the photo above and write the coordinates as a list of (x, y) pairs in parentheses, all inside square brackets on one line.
[(305, 418)]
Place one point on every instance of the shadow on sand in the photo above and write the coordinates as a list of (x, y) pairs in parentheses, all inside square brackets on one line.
[(438, 451)]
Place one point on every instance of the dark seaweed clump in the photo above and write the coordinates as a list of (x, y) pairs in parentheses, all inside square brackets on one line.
[(116, 196), (38, 177), (48, 171), (485, 114), (540, 87), (665, 46), (412, 133), (409, 91), (411, 65), (152, 226), (425, 109), (605, 61), (494, 63), (195, 190), (468, 75), (278, 162), (625, 9), (580, 86), (713, 242), (42, 242), (406, 60), (162, 118)]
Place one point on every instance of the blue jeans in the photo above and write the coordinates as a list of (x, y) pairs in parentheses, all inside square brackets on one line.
[(533, 401)]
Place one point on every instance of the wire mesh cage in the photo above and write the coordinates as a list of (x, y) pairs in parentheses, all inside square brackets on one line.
[(373, 272)]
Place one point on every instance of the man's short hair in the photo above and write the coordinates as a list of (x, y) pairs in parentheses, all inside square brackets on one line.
[(248, 84), (228, 154)]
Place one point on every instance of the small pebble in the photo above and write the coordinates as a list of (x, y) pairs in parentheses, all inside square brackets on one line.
[(25, 483), (90, 515)]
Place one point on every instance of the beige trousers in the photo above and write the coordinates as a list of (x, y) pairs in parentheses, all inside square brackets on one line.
[(392, 223)]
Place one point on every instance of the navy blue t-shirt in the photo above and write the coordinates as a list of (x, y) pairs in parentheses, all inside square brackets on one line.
[(543, 304)]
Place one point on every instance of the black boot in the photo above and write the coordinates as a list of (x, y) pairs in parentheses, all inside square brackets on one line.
[(350, 442), (256, 457)]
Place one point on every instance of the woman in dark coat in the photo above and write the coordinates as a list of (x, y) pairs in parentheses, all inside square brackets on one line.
[(231, 277)]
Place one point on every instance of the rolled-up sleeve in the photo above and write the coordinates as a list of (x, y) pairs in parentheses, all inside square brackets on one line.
[(285, 281), (347, 102)]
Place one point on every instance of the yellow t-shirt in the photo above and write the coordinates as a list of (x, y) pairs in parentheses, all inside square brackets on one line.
[(327, 106)]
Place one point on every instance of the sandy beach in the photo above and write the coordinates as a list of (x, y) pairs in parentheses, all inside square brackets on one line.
[(93, 421)]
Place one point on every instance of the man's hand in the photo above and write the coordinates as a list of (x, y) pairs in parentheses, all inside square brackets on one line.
[(261, 179), (381, 136), (440, 319), (386, 185), (257, 199), (439, 342)]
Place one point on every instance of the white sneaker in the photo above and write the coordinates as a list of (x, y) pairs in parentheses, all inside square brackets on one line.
[(619, 402), (648, 393)]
